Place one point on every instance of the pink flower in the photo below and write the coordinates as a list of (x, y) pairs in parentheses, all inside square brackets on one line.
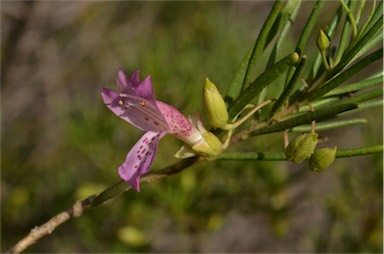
[(136, 104)]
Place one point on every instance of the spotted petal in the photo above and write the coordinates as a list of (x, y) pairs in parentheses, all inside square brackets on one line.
[(137, 111), (179, 125), (140, 158)]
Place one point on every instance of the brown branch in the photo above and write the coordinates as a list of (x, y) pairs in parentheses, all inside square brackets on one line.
[(47, 228), (81, 206)]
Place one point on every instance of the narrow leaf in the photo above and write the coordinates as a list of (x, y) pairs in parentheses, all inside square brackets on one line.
[(309, 27), (378, 37), (236, 85), (345, 34), (317, 104), (290, 87), (364, 106), (329, 31), (261, 82), (338, 80), (365, 83), (361, 44), (372, 19), (286, 16), (330, 125), (261, 41), (306, 33), (361, 97), (318, 115)]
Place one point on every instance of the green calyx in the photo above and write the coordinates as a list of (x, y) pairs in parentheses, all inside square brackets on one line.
[(301, 148), (208, 146), (321, 159)]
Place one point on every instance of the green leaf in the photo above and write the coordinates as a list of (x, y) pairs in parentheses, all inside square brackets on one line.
[(290, 87), (372, 19), (317, 104), (360, 45), (360, 10), (359, 100), (361, 97), (241, 78), (261, 82), (338, 80), (309, 27), (282, 37), (378, 37), (329, 31), (350, 10), (368, 105), (108, 194), (330, 125), (365, 83), (286, 16), (306, 118), (306, 33), (236, 85), (345, 35), (261, 41)]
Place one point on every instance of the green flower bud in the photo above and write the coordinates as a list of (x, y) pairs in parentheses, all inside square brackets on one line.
[(214, 105), (322, 41), (208, 146), (301, 147), (321, 159)]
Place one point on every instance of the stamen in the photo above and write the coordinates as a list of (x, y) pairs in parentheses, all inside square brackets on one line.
[(146, 108)]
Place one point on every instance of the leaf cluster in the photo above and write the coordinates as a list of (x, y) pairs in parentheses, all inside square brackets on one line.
[(317, 87)]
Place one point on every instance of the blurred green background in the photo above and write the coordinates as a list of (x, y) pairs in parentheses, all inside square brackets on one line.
[(60, 143)]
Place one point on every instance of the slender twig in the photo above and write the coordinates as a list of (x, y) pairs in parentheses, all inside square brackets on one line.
[(47, 228), (260, 156), (81, 206)]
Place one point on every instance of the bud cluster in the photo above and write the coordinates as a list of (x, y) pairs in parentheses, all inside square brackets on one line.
[(303, 148)]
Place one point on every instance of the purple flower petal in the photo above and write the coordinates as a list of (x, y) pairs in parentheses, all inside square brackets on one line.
[(140, 158), (135, 79), (145, 90), (178, 124), (108, 95), (134, 110), (133, 86), (124, 84)]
